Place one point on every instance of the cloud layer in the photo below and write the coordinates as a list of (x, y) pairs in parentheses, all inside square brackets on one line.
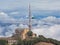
[(48, 26), (49, 32)]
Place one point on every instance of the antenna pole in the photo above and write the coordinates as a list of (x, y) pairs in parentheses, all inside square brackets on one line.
[(30, 17)]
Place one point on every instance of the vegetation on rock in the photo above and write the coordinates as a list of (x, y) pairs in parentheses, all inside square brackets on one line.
[(3, 42), (39, 39)]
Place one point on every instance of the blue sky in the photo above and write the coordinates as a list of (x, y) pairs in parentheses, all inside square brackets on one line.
[(14, 14)]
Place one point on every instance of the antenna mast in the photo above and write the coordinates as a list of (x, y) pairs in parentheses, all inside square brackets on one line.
[(30, 17)]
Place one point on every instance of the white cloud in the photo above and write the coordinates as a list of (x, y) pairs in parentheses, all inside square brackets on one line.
[(14, 13), (52, 19), (5, 18), (11, 30), (23, 26), (49, 26), (1, 30), (48, 21), (51, 32)]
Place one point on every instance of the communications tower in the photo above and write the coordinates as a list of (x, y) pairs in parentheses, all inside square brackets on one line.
[(30, 18)]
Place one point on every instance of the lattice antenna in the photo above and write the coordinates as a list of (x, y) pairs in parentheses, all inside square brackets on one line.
[(30, 17)]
